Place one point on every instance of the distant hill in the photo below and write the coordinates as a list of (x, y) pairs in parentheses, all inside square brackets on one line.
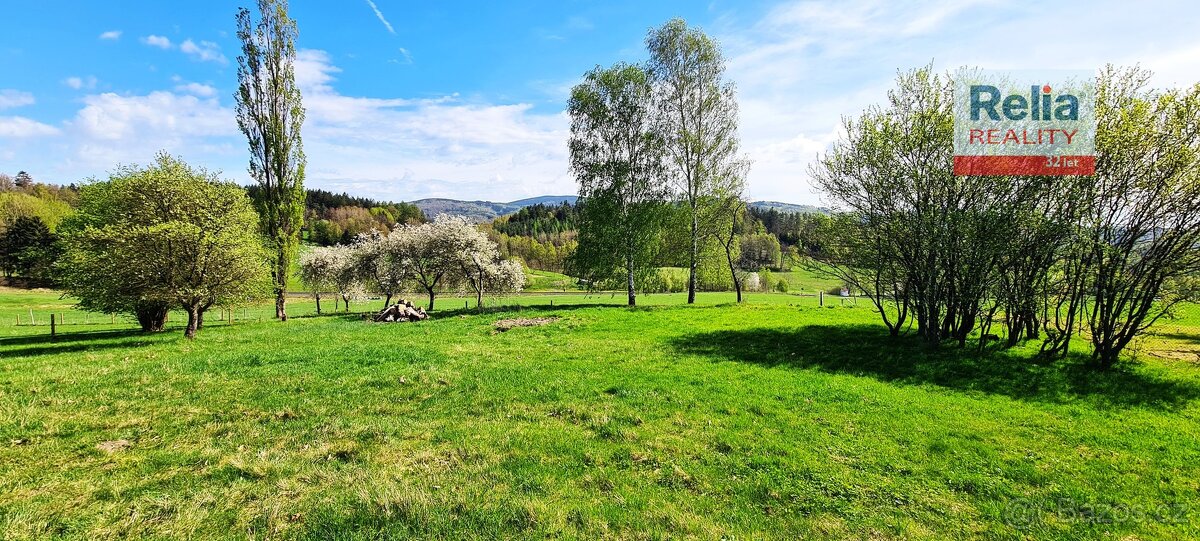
[(789, 207), (484, 211), (545, 200), (476, 211)]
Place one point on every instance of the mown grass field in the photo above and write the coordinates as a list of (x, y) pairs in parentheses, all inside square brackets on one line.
[(776, 419)]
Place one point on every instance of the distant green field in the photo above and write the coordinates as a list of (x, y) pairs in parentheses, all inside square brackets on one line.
[(540, 280), (775, 419)]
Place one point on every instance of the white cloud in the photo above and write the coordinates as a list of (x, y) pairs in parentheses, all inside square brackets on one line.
[(399, 148), (379, 14), (205, 51), (113, 128), (157, 41), (384, 147), (405, 54), (111, 35), (14, 98), (79, 83), (804, 65), (18, 127), (197, 89)]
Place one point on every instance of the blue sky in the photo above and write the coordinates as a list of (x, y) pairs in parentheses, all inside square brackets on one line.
[(426, 99)]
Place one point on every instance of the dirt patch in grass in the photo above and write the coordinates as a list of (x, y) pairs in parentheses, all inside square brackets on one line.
[(506, 324), (113, 446)]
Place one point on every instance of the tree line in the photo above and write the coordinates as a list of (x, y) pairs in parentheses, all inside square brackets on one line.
[(943, 256)]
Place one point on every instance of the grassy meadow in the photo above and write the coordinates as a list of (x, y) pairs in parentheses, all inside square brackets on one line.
[(776, 419)]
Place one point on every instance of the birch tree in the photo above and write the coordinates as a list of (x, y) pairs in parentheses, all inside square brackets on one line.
[(699, 108), (616, 149)]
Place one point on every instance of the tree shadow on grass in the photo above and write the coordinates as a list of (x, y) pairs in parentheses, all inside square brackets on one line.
[(866, 350), (511, 309), (76, 342), (1177, 336)]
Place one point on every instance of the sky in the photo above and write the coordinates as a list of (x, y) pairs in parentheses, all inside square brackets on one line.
[(407, 100)]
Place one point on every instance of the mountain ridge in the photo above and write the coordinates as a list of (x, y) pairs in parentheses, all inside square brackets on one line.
[(485, 211)]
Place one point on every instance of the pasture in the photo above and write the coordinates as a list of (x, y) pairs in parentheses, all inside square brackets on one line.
[(773, 419)]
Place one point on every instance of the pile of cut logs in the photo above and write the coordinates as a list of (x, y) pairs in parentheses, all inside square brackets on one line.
[(401, 311)]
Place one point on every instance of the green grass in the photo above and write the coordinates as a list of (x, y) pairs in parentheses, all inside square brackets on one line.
[(775, 419), (540, 280)]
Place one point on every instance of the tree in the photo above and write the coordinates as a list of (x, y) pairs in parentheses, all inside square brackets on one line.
[(1143, 230), (6, 183), (912, 235), (381, 263), (482, 269), (28, 248), (616, 148), (700, 109), (433, 251), (728, 235), (269, 112), (345, 275), (318, 270), (164, 235), (23, 180)]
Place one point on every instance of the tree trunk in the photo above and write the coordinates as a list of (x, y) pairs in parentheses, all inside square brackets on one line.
[(737, 284), (479, 297), (280, 305), (629, 281), (318, 297), (695, 249), (203, 308), (346, 302), (430, 290), (387, 300), (193, 320), (152, 316)]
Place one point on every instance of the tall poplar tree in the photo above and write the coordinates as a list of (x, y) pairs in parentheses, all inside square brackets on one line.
[(269, 112)]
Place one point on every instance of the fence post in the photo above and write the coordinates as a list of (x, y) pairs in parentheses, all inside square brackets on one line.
[(51, 326), (822, 296), (31, 320)]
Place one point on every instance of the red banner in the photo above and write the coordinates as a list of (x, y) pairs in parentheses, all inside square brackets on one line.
[(1024, 165)]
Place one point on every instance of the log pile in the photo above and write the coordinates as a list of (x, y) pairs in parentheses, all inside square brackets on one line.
[(402, 311)]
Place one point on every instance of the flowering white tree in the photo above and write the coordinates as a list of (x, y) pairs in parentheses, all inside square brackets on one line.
[(381, 262), (346, 279), (317, 271), (435, 256), (433, 251), (483, 271)]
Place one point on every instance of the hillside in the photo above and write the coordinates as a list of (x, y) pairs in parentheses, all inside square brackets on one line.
[(483, 211), (545, 200), (789, 207), (476, 211)]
